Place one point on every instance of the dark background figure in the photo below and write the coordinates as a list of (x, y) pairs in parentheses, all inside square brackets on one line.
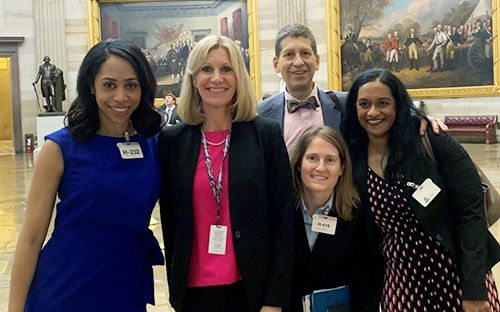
[(170, 109), (47, 72), (172, 59), (412, 42), (59, 90), (185, 49), (181, 57)]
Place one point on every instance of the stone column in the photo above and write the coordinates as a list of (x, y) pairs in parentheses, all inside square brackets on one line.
[(291, 11)]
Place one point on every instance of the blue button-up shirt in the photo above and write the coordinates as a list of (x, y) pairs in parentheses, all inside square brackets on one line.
[(313, 236)]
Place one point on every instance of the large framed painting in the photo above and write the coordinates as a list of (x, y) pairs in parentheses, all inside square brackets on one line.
[(166, 31), (446, 48)]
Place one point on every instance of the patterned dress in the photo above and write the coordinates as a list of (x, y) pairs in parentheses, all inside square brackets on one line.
[(420, 274)]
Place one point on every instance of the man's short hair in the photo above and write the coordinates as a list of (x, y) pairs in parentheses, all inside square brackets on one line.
[(169, 93), (294, 31)]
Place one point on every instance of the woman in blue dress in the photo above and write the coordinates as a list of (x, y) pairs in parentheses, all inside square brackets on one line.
[(103, 167)]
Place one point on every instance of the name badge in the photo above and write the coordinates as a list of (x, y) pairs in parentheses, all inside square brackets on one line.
[(217, 242), (131, 150), (426, 192), (324, 224)]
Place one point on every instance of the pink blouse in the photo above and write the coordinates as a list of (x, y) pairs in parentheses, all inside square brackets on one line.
[(210, 269)]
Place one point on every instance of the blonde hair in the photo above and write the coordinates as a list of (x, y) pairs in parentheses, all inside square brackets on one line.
[(346, 196), (190, 108)]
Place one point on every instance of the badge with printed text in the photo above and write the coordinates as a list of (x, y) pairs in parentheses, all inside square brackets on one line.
[(324, 224), (130, 150), (217, 241), (426, 192)]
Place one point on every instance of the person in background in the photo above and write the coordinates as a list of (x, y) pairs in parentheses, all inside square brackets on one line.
[(323, 192), (170, 109), (394, 52), (103, 167), (439, 44), (173, 62), (226, 200), (431, 249), (412, 43)]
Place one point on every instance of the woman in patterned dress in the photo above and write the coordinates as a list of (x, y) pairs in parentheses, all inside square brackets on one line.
[(431, 249)]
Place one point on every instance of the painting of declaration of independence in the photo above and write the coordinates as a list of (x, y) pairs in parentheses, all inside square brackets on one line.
[(166, 31), (426, 43)]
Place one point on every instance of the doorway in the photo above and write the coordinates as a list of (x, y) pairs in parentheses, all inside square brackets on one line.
[(6, 118)]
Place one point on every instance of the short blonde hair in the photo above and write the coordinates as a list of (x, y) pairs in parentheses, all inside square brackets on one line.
[(189, 106), (346, 196)]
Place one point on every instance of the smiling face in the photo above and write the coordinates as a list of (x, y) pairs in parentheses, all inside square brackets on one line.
[(320, 169), (118, 93), (297, 64), (376, 109), (216, 81)]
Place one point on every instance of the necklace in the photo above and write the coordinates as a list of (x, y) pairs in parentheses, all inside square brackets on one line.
[(213, 144)]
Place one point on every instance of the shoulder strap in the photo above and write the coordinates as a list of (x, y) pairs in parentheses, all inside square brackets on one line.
[(334, 99), (428, 147)]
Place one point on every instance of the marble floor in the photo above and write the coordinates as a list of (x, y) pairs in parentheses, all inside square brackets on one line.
[(16, 172)]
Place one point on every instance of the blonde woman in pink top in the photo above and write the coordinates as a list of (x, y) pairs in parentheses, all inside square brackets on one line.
[(226, 199)]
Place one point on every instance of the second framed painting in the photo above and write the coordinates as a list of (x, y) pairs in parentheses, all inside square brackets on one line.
[(166, 31), (445, 48)]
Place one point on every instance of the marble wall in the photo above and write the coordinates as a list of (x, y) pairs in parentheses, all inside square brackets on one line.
[(21, 18)]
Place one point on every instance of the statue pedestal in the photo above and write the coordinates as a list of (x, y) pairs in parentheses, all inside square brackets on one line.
[(47, 123)]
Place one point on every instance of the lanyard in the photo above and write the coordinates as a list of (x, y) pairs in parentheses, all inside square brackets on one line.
[(216, 188)]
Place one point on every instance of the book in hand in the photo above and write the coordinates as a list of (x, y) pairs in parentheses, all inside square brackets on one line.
[(328, 300)]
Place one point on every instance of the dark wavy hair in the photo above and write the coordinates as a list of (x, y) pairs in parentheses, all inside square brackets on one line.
[(82, 119), (404, 139)]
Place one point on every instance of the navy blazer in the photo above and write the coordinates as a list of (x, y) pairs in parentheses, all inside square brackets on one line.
[(274, 108), (260, 200), (455, 217)]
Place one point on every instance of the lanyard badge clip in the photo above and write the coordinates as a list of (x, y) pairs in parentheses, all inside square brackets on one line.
[(128, 149)]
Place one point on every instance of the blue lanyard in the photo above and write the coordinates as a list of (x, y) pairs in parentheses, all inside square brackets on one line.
[(216, 188)]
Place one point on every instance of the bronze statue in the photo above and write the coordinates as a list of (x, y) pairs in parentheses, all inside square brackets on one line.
[(52, 85)]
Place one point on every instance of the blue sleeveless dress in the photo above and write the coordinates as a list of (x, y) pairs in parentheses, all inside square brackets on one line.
[(100, 254)]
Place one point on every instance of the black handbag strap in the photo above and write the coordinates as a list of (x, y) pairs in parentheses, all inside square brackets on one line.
[(334, 99), (428, 147)]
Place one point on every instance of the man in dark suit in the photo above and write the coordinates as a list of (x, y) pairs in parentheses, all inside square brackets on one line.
[(297, 60), (170, 109)]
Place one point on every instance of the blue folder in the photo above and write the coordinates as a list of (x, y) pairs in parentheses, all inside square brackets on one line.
[(328, 300)]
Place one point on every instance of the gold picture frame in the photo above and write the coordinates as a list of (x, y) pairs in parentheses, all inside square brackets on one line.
[(94, 33), (334, 59)]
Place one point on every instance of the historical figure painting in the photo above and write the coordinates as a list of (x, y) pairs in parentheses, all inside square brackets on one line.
[(426, 43), (166, 31)]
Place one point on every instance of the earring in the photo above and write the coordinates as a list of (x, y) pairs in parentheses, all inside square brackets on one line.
[(92, 92)]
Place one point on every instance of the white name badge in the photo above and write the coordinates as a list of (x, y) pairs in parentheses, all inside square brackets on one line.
[(324, 224), (426, 192), (131, 150), (217, 242)]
